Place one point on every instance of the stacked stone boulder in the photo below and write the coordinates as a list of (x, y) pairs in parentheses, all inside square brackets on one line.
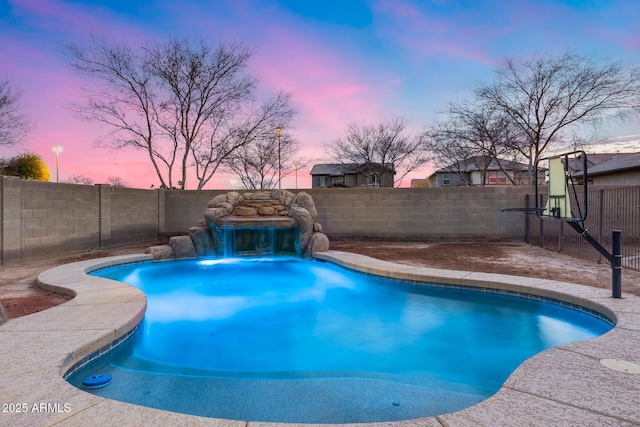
[(204, 239)]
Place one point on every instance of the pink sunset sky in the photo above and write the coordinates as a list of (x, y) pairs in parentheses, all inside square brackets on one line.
[(346, 61)]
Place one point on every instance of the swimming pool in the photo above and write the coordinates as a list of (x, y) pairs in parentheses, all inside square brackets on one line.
[(300, 341)]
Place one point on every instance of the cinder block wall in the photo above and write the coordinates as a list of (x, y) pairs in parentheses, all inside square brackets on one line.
[(11, 223), (39, 218), (43, 218), (135, 215), (460, 213), (185, 208)]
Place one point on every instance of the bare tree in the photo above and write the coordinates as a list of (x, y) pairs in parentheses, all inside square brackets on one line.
[(186, 104), (251, 126), (386, 146), (258, 163), (78, 179), (120, 94), (116, 181), (14, 124), (550, 95), (205, 89), (473, 134)]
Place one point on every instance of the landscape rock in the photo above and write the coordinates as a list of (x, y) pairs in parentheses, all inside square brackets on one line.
[(245, 211), (220, 198), (212, 214), (304, 200), (266, 210), (305, 224), (234, 198), (258, 195), (317, 227), (202, 241), (285, 197), (183, 247), (226, 206), (319, 243), (161, 252)]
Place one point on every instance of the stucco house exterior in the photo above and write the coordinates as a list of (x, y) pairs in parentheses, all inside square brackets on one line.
[(327, 175), (607, 168), (622, 169)]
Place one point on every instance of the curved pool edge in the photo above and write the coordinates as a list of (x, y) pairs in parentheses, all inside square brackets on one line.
[(565, 384)]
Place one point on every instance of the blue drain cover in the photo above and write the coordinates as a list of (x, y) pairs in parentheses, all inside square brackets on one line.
[(96, 381)]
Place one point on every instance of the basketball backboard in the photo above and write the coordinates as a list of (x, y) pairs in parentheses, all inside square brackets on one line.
[(563, 192)]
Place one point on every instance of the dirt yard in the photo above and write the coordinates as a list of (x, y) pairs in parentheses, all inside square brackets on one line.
[(517, 259), (20, 295)]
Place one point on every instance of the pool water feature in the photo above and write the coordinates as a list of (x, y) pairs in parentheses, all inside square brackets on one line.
[(257, 240), (283, 339)]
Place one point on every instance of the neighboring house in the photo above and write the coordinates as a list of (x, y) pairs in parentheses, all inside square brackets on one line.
[(472, 171), (593, 159), (349, 175), (576, 164), (621, 169)]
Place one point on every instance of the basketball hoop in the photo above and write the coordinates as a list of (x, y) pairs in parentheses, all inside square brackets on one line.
[(565, 173)]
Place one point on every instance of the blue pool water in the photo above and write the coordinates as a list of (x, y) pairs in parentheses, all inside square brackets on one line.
[(289, 340)]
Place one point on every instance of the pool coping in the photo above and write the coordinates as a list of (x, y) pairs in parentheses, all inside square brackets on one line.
[(563, 385)]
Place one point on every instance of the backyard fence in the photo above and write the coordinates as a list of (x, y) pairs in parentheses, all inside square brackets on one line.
[(43, 218), (609, 208)]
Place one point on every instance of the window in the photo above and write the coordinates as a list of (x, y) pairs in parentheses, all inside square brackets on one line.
[(446, 179), (496, 178), (523, 177), (320, 181), (374, 179), (337, 179)]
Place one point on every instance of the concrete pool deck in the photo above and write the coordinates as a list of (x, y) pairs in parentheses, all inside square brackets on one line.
[(566, 385)]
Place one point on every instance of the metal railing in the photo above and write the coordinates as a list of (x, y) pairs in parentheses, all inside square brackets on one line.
[(609, 208)]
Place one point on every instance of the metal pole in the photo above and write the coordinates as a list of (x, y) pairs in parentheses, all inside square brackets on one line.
[(616, 264), (600, 220), (614, 258), (278, 129), (57, 149), (541, 223), (526, 219)]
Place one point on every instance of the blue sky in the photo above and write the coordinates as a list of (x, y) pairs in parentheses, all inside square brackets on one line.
[(343, 61)]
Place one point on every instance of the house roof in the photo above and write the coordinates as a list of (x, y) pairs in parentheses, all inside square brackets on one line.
[(339, 169), (333, 169), (593, 159), (621, 162), (475, 164)]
